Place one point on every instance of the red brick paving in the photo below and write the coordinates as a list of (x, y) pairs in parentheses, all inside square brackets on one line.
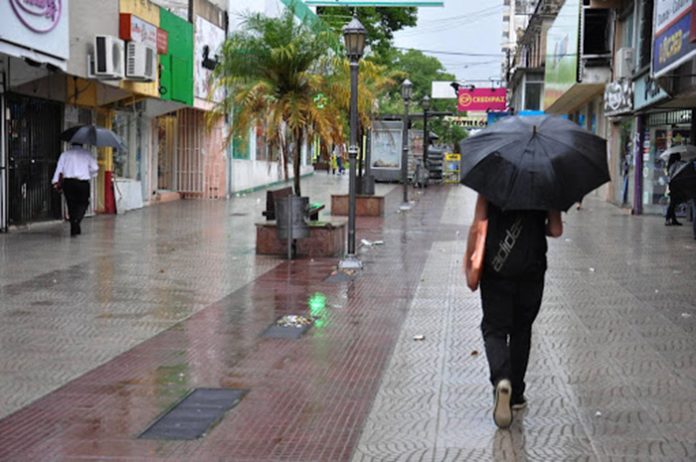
[(307, 398)]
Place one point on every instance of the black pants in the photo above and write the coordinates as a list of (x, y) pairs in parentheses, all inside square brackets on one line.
[(509, 309), (77, 196)]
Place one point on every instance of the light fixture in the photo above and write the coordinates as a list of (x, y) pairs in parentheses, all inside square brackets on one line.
[(354, 37)]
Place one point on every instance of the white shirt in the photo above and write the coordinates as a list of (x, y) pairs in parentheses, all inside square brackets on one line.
[(76, 163)]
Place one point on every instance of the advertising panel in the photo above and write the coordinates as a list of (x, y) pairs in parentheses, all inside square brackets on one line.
[(385, 145), (41, 26), (562, 53), (481, 99), (647, 92), (138, 30), (618, 97), (673, 43), (208, 41)]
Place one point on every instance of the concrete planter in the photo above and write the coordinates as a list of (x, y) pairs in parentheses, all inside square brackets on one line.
[(326, 239), (365, 206)]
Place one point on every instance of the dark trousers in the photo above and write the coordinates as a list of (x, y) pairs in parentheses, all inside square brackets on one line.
[(509, 309), (671, 215), (77, 196)]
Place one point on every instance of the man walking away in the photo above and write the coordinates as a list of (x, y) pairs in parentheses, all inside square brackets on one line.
[(512, 285), (75, 168)]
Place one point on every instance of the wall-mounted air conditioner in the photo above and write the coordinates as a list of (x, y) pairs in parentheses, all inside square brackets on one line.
[(108, 61), (141, 62), (625, 59)]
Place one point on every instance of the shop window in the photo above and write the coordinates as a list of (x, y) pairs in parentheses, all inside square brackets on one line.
[(645, 33), (533, 93), (240, 147), (597, 32)]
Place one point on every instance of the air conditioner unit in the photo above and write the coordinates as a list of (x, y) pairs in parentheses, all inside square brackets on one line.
[(625, 59), (108, 62), (141, 62)]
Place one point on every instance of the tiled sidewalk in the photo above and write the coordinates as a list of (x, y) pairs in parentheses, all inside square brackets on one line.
[(100, 335)]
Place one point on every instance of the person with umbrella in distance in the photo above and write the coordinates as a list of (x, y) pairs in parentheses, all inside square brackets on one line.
[(77, 166), (527, 170)]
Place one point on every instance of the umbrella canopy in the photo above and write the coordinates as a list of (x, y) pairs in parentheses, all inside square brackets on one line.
[(93, 135), (534, 163), (687, 152), (682, 184)]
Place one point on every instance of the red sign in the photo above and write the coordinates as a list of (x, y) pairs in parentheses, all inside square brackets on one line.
[(162, 41), (481, 99)]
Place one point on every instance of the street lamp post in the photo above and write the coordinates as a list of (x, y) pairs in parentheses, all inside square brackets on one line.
[(426, 136), (406, 88), (354, 34)]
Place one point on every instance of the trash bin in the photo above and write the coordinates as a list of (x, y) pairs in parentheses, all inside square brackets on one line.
[(290, 214)]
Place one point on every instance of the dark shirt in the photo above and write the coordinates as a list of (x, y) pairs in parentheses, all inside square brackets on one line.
[(515, 243)]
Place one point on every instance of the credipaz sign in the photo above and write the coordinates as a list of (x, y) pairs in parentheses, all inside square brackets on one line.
[(673, 39), (374, 3), (481, 99)]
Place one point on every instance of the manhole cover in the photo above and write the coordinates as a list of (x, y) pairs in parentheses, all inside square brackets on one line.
[(191, 417)]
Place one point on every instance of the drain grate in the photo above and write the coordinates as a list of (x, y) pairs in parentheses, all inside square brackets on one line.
[(287, 330), (191, 417)]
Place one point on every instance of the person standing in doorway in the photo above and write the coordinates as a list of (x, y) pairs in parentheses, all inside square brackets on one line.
[(75, 168), (512, 285)]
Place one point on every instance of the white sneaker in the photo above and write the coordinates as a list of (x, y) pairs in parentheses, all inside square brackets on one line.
[(502, 412)]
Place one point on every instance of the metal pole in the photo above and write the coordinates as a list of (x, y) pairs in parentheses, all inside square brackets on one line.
[(404, 154), (3, 158), (425, 144), (352, 153), (351, 262)]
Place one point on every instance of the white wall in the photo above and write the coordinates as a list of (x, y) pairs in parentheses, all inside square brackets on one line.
[(247, 174)]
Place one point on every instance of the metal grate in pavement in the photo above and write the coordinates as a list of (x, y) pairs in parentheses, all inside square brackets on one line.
[(194, 415), (289, 331)]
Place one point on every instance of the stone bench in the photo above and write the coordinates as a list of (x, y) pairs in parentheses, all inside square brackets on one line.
[(326, 239)]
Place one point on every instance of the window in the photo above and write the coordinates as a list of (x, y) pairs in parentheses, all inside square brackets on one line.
[(532, 98), (596, 36), (645, 26)]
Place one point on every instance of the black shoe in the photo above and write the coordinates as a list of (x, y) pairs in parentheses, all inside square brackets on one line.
[(502, 412), (74, 229), (518, 403), (676, 223)]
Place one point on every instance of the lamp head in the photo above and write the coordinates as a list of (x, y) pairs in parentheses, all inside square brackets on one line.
[(354, 36), (406, 89), (426, 102)]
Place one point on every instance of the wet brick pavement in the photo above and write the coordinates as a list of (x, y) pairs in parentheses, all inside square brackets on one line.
[(102, 334)]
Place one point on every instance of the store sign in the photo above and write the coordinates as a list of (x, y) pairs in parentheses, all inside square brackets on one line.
[(162, 41), (618, 97), (37, 25), (647, 92), (561, 70), (374, 3), (40, 16), (208, 40), (468, 122), (132, 28), (481, 99), (672, 41)]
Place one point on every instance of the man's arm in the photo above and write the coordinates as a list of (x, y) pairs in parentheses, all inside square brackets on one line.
[(59, 171), (554, 224)]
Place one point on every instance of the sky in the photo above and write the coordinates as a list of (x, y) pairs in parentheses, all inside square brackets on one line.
[(461, 26)]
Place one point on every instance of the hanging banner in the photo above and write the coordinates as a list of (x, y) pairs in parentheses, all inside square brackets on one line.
[(481, 99)]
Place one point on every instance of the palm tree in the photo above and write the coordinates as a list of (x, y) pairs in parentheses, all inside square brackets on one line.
[(272, 71)]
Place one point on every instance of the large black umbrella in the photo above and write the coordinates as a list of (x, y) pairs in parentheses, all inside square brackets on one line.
[(534, 163), (93, 135), (682, 184)]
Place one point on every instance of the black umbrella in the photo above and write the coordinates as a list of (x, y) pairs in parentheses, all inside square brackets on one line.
[(682, 184), (534, 163), (93, 135)]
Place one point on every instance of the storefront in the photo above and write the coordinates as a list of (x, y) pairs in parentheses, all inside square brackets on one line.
[(34, 47)]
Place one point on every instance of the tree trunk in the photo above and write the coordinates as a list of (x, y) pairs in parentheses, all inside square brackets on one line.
[(297, 155)]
